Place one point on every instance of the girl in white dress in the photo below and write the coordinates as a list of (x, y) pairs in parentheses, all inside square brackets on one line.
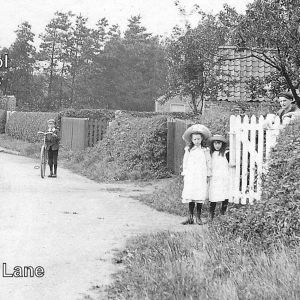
[(219, 183), (196, 170)]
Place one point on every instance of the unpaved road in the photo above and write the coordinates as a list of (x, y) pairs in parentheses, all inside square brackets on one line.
[(69, 225)]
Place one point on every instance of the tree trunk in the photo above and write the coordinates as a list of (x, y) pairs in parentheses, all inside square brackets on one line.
[(51, 71), (61, 84), (73, 79), (194, 104), (291, 86)]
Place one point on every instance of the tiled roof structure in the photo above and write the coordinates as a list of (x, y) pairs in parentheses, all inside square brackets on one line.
[(241, 67)]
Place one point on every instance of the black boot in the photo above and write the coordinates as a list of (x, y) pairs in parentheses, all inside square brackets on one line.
[(224, 206), (198, 218), (189, 220), (51, 171), (55, 171), (212, 208)]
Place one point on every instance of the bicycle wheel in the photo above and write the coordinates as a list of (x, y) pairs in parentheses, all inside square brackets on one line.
[(43, 161)]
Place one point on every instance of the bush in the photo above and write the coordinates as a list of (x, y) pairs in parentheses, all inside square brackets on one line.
[(25, 125), (133, 148), (8, 103), (98, 114), (276, 219), (2, 120)]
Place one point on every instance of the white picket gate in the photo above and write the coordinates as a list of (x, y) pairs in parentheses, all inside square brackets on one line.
[(250, 145)]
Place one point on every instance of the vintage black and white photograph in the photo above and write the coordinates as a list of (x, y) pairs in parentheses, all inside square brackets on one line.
[(150, 150)]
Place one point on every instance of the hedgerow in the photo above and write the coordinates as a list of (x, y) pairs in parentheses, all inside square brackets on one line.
[(133, 148), (25, 125), (8, 103), (2, 120), (98, 114), (275, 219)]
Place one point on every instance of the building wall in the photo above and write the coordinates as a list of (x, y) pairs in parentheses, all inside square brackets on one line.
[(171, 104)]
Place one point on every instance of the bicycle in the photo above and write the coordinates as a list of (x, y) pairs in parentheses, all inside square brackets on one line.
[(43, 155)]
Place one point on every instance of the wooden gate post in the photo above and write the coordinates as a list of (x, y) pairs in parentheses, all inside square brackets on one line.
[(170, 144), (232, 157)]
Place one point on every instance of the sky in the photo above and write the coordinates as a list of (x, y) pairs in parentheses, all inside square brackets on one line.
[(158, 16)]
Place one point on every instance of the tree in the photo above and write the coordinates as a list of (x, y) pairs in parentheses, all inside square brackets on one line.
[(270, 30), (193, 60), (19, 76), (79, 42), (54, 50)]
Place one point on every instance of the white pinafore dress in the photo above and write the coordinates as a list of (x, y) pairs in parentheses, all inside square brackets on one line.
[(195, 171), (219, 183)]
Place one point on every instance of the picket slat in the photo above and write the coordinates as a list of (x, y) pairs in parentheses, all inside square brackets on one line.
[(238, 158), (260, 149), (252, 158), (245, 131), (232, 158)]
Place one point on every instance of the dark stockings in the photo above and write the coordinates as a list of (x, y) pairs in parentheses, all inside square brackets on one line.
[(212, 208), (52, 160), (192, 207)]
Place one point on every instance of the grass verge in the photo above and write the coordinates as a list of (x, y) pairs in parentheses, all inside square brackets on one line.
[(195, 265)]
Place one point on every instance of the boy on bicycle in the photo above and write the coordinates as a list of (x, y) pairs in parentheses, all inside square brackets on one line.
[(52, 146)]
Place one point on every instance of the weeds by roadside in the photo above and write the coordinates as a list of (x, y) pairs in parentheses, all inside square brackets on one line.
[(195, 265)]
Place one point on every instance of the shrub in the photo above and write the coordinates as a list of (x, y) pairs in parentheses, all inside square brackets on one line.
[(2, 120), (98, 114), (276, 219), (25, 125), (8, 103), (133, 148)]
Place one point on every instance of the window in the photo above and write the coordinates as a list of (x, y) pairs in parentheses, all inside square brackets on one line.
[(177, 107)]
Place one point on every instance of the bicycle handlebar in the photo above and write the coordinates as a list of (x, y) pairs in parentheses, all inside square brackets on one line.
[(45, 133)]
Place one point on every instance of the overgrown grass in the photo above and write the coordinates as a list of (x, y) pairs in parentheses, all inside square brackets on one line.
[(25, 148), (167, 198), (30, 149), (194, 265)]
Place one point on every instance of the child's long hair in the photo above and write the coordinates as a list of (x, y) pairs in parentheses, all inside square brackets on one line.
[(191, 144), (221, 151)]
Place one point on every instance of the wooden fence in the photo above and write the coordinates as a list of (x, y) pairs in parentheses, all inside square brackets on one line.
[(250, 146), (74, 133), (79, 133), (175, 143), (96, 131)]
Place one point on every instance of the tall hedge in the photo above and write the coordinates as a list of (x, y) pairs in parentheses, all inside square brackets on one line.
[(133, 148), (2, 120), (276, 219), (25, 125), (98, 114), (8, 103)]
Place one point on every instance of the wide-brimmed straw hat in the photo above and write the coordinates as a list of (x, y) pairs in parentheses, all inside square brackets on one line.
[(197, 128), (219, 138), (51, 121)]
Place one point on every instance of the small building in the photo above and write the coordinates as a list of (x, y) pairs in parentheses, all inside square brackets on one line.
[(240, 66)]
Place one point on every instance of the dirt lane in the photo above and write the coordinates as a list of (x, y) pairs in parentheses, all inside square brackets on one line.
[(69, 226)]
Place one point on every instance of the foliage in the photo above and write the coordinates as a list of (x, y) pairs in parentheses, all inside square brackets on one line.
[(2, 120), (276, 218), (195, 265), (25, 125), (133, 148), (98, 114), (270, 29), (193, 62), (18, 78), (7, 103)]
